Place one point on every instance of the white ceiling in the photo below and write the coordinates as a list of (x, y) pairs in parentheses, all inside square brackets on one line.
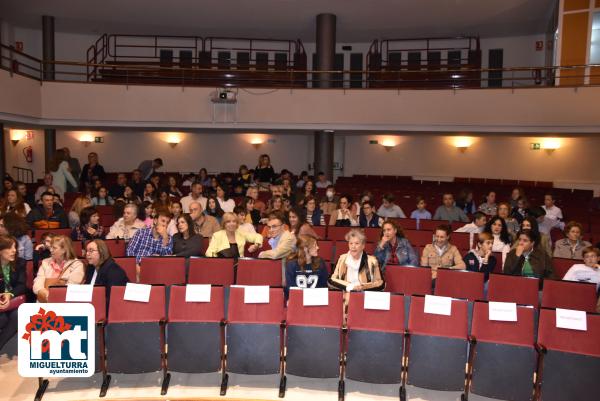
[(358, 20)]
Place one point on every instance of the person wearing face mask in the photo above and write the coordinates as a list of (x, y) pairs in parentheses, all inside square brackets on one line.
[(355, 270), (186, 242), (342, 216), (589, 270), (394, 248), (330, 201), (304, 268), (572, 246), (126, 227), (481, 258), (230, 241), (441, 253), (528, 259)]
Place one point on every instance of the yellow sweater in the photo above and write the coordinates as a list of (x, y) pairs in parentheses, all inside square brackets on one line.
[(220, 242)]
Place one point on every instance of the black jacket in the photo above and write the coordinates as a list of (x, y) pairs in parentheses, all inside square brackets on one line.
[(187, 247), (37, 218), (540, 263), (473, 265), (109, 274), (18, 279)]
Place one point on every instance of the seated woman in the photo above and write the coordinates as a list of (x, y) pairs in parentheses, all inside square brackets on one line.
[(176, 210), (15, 225), (230, 241), (102, 198), (13, 202), (252, 214), (214, 209), (61, 268), (502, 239), (589, 270), (489, 207), (368, 217), (465, 202), (226, 203), (296, 218), (80, 203), (12, 284), (512, 224), (314, 215), (571, 247), (343, 217), (481, 259), (528, 259), (129, 196), (355, 270), (442, 254), (101, 268), (274, 205), (172, 187), (240, 212), (304, 268), (394, 248), (147, 214), (89, 226), (186, 242), (150, 194), (308, 189), (531, 223), (521, 211)]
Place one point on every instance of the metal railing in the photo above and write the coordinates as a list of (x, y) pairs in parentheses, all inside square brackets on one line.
[(23, 174), (20, 63)]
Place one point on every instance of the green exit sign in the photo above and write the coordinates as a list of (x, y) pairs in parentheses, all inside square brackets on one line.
[(535, 146), (373, 142)]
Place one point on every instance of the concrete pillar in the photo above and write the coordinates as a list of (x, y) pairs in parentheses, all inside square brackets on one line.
[(326, 24), (324, 153), (49, 146), (3, 166), (48, 46)]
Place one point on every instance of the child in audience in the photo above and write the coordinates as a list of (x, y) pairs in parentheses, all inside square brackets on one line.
[(304, 268), (589, 270), (481, 258), (148, 213), (420, 213)]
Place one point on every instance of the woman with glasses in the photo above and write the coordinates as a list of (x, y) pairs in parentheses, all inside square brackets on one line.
[(101, 268)]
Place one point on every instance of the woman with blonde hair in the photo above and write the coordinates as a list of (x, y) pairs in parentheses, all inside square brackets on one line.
[(61, 268), (355, 270), (80, 203), (304, 268), (229, 242)]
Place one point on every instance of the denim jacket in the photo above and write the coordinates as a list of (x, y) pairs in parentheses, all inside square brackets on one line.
[(404, 251)]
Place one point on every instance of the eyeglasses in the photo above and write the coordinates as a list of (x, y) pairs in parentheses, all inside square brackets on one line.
[(274, 227), (91, 251)]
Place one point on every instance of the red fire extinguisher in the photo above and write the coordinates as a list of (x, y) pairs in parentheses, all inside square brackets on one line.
[(28, 153)]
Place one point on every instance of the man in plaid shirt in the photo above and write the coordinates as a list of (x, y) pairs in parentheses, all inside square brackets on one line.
[(153, 241)]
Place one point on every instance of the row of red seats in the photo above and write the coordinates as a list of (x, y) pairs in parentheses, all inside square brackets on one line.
[(400, 345)]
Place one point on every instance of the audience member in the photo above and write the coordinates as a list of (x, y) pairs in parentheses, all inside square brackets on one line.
[(589, 270), (186, 242), (481, 258), (545, 224), (13, 279), (13, 202), (42, 250), (194, 196), (516, 194), (152, 241), (74, 168), (89, 227), (213, 208), (203, 177), (48, 215), (367, 217), (129, 196), (259, 205), (531, 223), (394, 248), (176, 211), (59, 168), (421, 213), (355, 270), (298, 222), (329, 202), (25, 195), (489, 207), (173, 187), (92, 170), (304, 267), (14, 225), (477, 226), (252, 214), (102, 268), (126, 226), (47, 187), (522, 209), (230, 241), (204, 225), (281, 242), (342, 216), (147, 213), (465, 201), (553, 212), (441, 253), (322, 181), (302, 179), (448, 211), (308, 190), (244, 177), (572, 246), (117, 190), (137, 183), (80, 203), (150, 194), (102, 198), (502, 239), (314, 215), (505, 212), (240, 212), (528, 259), (225, 202), (61, 268), (148, 168), (264, 172), (389, 209)]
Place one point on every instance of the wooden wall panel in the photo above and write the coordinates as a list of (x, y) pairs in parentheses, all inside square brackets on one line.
[(574, 47)]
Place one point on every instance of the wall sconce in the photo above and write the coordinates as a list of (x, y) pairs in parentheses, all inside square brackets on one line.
[(462, 143), (86, 139), (173, 140), (257, 142), (16, 136), (550, 145), (388, 144)]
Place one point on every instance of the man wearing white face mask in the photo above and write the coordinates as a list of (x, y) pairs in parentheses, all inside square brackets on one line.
[(329, 201)]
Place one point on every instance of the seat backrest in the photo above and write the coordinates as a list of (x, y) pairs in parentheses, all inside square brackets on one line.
[(561, 266), (408, 280), (122, 311), (330, 316), (406, 224), (162, 270), (259, 272), (389, 321), (326, 250), (321, 231), (509, 288), (428, 324), (519, 333), (459, 284), (116, 247), (128, 264), (373, 234), (215, 271), (430, 225), (569, 295), (58, 231), (337, 233), (182, 311), (463, 241), (59, 295), (419, 237), (565, 340), (29, 272), (265, 313)]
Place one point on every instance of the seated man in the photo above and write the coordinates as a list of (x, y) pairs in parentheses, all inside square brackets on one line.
[(48, 215), (281, 241), (476, 227), (450, 212), (152, 241), (329, 202), (47, 187), (126, 227), (194, 196), (322, 181), (117, 190), (204, 225), (368, 218), (389, 209)]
